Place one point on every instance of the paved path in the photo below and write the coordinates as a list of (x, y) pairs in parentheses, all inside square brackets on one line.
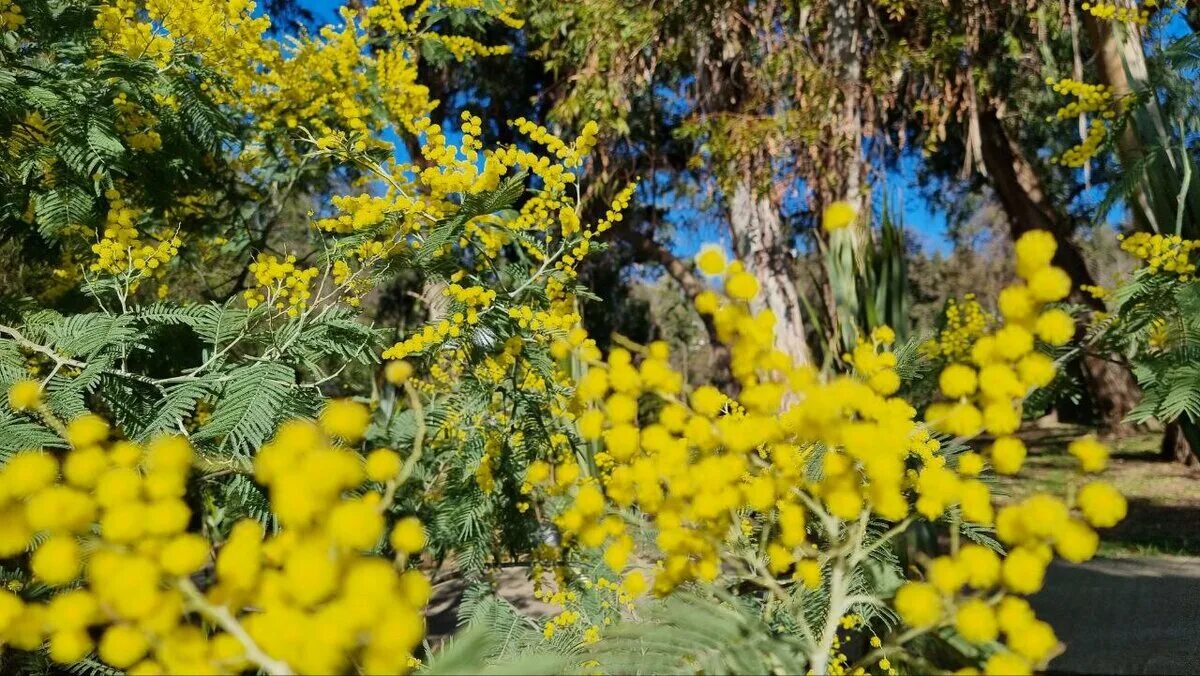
[(1125, 616)]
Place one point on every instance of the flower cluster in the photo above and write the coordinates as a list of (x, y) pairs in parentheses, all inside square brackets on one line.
[(963, 322), (280, 284), (111, 532), (1089, 99), (341, 79), (794, 466), (984, 390), (1121, 12), (10, 15), (1081, 153), (1167, 253), (121, 248), (551, 235)]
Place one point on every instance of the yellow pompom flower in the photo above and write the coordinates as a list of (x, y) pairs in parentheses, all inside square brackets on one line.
[(83, 467), (958, 380), (1007, 664), (28, 472), (184, 554), (1102, 505), (346, 419), (1015, 302), (123, 645), (25, 395), (808, 571), (1075, 542), (947, 575), (1036, 370), (885, 382), (87, 430), (634, 583), (1035, 249), (1013, 342), (1034, 642), (982, 565), (591, 425), (1055, 327), (970, 464), (741, 286), (57, 561), (1050, 284), (919, 604), (11, 608), (1092, 455), (408, 535), (1008, 455), (711, 260), (398, 371), (838, 215), (1014, 614), (356, 524), (70, 645), (707, 401), (976, 621), (383, 464), (1001, 418), (1023, 571), (976, 502)]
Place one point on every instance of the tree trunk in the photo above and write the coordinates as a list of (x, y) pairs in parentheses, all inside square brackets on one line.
[(1181, 442), (845, 45), (760, 240), (1019, 189)]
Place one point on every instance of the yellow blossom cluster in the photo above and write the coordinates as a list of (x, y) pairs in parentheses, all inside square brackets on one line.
[(979, 593), (584, 624), (136, 124), (963, 323), (1082, 152), (341, 78), (121, 249), (550, 234), (1089, 99), (875, 362), (389, 15), (984, 391), (1167, 253), (417, 201), (10, 15), (570, 155), (280, 284), (110, 531), (706, 455), (793, 462), (1121, 11), (840, 663), (326, 81)]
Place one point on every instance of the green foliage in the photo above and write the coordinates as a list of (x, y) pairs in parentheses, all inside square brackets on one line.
[(693, 633), (61, 127), (867, 275)]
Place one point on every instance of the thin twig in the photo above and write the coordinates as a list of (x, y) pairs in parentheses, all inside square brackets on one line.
[(225, 620)]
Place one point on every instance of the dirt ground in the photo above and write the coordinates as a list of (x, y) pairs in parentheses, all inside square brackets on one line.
[(1164, 497)]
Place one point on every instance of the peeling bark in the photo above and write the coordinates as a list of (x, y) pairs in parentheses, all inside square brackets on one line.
[(760, 240)]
